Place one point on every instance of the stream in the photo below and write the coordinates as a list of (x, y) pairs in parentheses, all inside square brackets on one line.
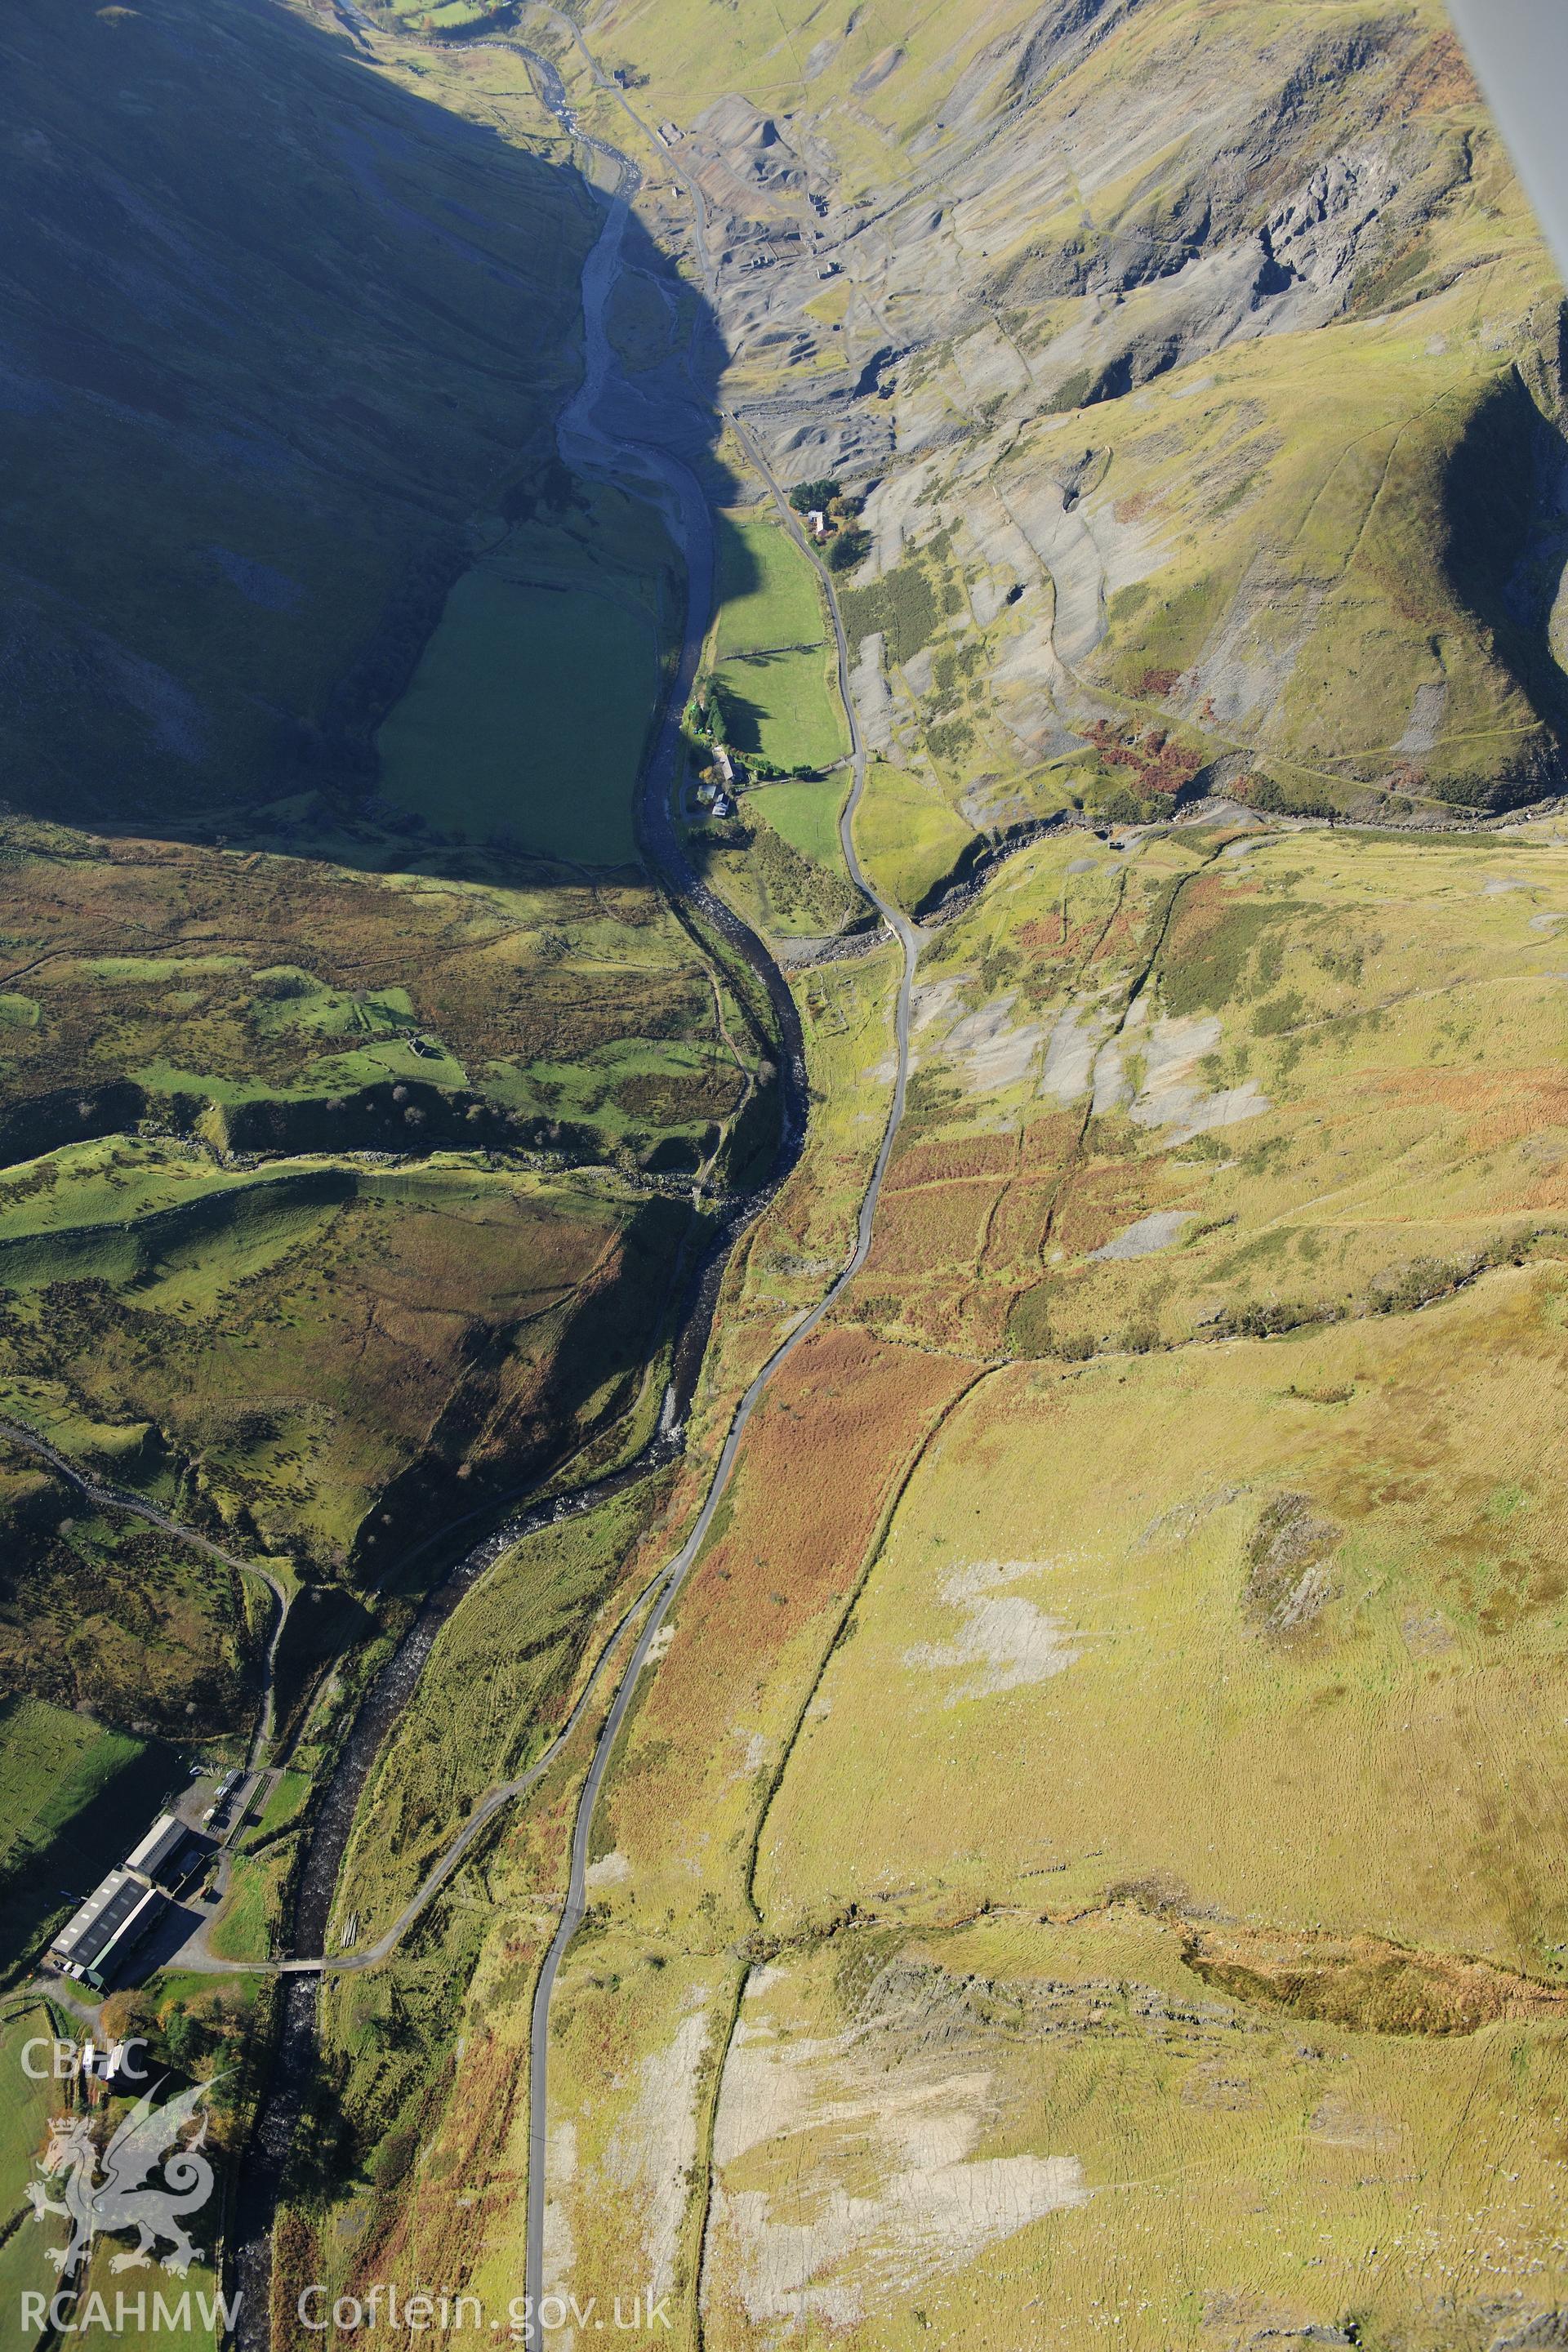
[(586, 448)]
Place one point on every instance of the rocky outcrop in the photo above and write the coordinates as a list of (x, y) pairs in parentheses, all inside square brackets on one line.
[(1106, 204), (1365, 1981)]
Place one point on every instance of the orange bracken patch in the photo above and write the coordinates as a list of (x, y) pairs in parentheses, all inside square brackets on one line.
[(936, 1162), (821, 1462), (937, 1230), (1507, 1106), (1046, 935), (1437, 76)]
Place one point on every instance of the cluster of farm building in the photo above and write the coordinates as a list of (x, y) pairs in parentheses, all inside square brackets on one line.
[(122, 1907)]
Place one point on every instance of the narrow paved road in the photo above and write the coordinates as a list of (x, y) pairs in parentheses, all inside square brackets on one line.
[(616, 453), (674, 1576), (504, 1793)]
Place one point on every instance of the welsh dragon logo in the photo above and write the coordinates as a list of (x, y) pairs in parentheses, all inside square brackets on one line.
[(121, 2197)]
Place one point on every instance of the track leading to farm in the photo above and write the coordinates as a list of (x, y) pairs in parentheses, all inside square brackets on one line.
[(113, 1498), (698, 530), (586, 444)]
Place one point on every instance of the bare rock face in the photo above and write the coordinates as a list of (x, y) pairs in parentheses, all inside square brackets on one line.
[(1245, 225), (1107, 203), (1313, 238)]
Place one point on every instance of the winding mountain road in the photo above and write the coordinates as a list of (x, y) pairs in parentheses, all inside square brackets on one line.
[(669, 1585), (590, 444)]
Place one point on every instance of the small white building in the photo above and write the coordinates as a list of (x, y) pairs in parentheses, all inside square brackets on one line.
[(723, 805), (104, 2065), (725, 765), (817, 521)]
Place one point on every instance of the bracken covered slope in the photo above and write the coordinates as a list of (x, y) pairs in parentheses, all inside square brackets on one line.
[(1100, 1804)]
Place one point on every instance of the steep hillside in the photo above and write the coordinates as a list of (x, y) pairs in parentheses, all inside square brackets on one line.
[(358, 1135), (1099, 1802), (1200, 367), (275, 327)]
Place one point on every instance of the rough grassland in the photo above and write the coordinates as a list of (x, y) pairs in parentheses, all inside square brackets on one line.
[(1164, 510), (697, 57), (501, 1669), (293, 1241), (518, 1646), (907, 834), (1379, 1655), (1087, 1866), (1330, 1110), (512, 1652), (354, 1336), (100, 1610), (1374, 1742), (1292, 1668), (294, 994), (1141, 2162)]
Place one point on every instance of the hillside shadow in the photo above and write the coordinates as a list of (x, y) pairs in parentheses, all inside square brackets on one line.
[(495, 1433), (291, 326), (1505, 517), (46, 1884), (743, 716)]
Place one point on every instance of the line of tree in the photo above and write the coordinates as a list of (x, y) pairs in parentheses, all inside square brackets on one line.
[(809, 497)]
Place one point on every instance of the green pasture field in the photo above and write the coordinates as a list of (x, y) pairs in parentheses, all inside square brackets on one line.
[(621, 1089), (53, 1763), (244, 573), (907, 834), (74, 1795), (285, 1800), (768, 592), (242, 1930), (784, 706), (806, 814), (25, 2267)]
